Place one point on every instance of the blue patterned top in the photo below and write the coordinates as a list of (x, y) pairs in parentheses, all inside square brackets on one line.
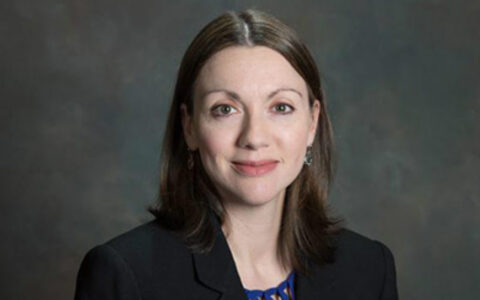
[(284, 290)]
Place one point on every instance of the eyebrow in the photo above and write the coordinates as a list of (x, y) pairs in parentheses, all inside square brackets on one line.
[(236, 97)]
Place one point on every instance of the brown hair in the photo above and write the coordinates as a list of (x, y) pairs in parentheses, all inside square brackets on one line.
[(186, 196)]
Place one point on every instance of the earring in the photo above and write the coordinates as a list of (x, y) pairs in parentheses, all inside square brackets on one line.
[(308, 157), (190, 162)]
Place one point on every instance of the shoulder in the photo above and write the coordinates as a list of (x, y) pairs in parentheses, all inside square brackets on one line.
[(352, 247), (357, 251), (130, 264), (150, 248), (148, 239), (365, 264)]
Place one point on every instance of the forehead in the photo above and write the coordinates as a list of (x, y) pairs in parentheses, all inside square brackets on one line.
[(247, 69)]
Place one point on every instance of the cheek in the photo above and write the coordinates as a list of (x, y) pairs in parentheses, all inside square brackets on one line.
[(214, 144), (295, 142)]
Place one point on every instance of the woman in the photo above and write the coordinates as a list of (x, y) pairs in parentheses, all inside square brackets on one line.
[(247, 163)]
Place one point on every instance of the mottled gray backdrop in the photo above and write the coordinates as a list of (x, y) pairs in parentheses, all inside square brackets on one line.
[(85, 86)]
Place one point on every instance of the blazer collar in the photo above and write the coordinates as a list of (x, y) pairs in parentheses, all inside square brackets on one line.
[(216, 269), (319, 284)]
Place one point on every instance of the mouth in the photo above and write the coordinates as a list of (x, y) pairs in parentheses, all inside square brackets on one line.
[(254, 168)]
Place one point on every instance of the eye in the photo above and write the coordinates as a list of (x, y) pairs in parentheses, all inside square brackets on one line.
[(223, 110), (283, 108)]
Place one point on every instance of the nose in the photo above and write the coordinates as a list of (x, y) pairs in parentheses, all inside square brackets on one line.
[(254, 134)]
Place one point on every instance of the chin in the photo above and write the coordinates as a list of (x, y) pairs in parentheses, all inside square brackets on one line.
[(259, 198), (253, 192)]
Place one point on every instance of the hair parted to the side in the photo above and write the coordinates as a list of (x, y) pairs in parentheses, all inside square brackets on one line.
[(186, 196)]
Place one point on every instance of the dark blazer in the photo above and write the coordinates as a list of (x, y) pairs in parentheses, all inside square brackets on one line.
[(151, 263)]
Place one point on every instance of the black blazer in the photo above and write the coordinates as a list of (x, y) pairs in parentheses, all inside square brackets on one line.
[(151, 263)]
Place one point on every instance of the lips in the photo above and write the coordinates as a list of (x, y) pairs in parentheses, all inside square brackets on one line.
[(255, 168)]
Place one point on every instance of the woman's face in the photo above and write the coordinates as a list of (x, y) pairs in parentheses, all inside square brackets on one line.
[(251, 123)]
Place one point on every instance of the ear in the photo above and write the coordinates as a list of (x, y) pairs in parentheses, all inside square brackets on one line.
[(188, 131), (315, 112)]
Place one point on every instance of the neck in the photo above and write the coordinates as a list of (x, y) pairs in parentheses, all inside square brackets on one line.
[(252, 234)]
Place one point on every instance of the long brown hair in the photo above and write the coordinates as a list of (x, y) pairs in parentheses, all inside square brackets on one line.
[(187, 196)]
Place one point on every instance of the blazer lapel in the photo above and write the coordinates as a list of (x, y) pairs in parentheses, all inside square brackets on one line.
[(216, 269), (319, 284)]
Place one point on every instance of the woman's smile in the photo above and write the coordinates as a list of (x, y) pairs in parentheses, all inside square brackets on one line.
[(254, 168)]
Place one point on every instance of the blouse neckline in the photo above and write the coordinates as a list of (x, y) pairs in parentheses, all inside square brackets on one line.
[(279, 290)]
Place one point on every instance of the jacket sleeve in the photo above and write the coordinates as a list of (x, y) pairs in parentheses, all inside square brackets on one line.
[(389, 291), (105, 275)]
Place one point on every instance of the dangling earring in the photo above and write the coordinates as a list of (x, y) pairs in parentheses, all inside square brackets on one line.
[(190, 162), (308, 157)]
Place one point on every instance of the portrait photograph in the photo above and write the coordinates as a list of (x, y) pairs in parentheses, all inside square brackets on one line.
[(257, 150)]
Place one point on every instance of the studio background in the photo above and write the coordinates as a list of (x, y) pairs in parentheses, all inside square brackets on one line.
[(85, 87)]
